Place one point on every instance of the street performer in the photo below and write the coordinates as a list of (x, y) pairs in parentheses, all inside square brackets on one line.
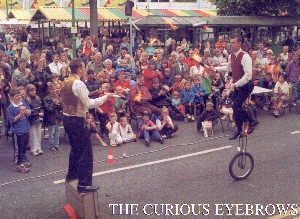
[(240, 64), (76, 103)]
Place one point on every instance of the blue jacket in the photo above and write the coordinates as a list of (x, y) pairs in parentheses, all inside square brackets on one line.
[(199, 90), (21, 126), (187, 96)]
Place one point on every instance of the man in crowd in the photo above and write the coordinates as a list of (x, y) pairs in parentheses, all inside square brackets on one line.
[(55, 66)]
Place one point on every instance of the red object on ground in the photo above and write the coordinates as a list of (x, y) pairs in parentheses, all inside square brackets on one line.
[(70, 211), (110, 158)]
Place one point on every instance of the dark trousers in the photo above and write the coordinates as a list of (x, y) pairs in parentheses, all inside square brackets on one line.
[(21, 147), (168, 131), (81, 154), (239, 96)]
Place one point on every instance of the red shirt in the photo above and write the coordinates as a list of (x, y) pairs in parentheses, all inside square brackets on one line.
[(148, 77), (125, 84), (107, 106), (191, 62)]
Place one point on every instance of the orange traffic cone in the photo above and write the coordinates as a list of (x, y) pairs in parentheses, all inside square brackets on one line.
[(110, 158), (70, 211)]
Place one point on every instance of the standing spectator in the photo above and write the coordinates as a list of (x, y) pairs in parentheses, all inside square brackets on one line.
[(293, 68), (96, 64), (221, 42), (18, 111), (55, 66), (25, 54), (37, 113), (22, 75), (53, 111), (190, 61)]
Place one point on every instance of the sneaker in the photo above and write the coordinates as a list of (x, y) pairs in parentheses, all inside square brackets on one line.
[(265, 108), (276, 113), (40, 152), (192, 118), (205, 135), (188, 116), (27, 164), (147, 142), (22, 168), (53, 149), (35, 153), (161, 140), (164, 136), (223, 118)]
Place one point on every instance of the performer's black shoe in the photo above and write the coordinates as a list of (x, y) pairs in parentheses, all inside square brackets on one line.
[(235, 135), (87, 188), (252, 127)]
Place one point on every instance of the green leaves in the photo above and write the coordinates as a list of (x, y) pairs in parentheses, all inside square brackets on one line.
[(258, 7)]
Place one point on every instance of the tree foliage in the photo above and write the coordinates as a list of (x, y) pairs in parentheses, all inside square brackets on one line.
[(258, 7)]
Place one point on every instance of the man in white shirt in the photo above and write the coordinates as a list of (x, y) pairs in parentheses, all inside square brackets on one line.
[(74, 95), (55, 66), (240, 64)]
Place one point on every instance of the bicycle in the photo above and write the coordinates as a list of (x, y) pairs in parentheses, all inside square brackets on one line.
[(242, 164)]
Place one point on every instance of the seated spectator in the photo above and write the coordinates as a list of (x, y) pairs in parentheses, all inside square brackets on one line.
[(226, 107), (148, 130), (123, 83), (91, 125), (268, 83), (209, 114), (127, 133), (281, 94), (188, 96), (257, 67), (159, 94), (165, 124), (114, 132), (53, 111), (273, 68), (219, 59), (190, 60), (18, 111), (140, 98), (198, 69), (283, 57), (92, 84), (176, 102), (150, 73), (167, 78), (120, 102)]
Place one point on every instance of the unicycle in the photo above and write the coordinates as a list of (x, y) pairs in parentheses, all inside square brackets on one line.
[(242, 164)]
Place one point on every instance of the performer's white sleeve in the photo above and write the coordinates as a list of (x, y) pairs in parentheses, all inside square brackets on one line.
[(247, 66), (80, 90)]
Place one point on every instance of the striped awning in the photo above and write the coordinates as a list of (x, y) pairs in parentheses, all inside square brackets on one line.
[(2, 15), (112, 14), (22, 14)]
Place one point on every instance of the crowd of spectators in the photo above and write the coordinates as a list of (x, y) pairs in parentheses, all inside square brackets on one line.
[(156, 86)]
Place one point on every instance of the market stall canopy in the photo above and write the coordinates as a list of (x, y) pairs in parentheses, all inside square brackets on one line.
[(2, 15), (112, 14), (249, 21), (163, 20), (57, 14), (13, 21), (22, 14)]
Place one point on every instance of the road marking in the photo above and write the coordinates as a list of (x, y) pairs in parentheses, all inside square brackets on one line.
[(288, 213), (295, 132), (154, 162)]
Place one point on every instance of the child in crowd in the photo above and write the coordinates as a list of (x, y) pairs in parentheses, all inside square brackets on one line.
[(165, 124), (37, 113), (176, 102), (106, 108), (114, 132), (18, 111), (209, 114), (53, 111), (281, 94), (126, 131), (91, 124), (199, 92), (226, 107), (187, 97), (120, 102), (148, 130)]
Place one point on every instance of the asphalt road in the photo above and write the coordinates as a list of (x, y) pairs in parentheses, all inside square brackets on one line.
[(187, 170)]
